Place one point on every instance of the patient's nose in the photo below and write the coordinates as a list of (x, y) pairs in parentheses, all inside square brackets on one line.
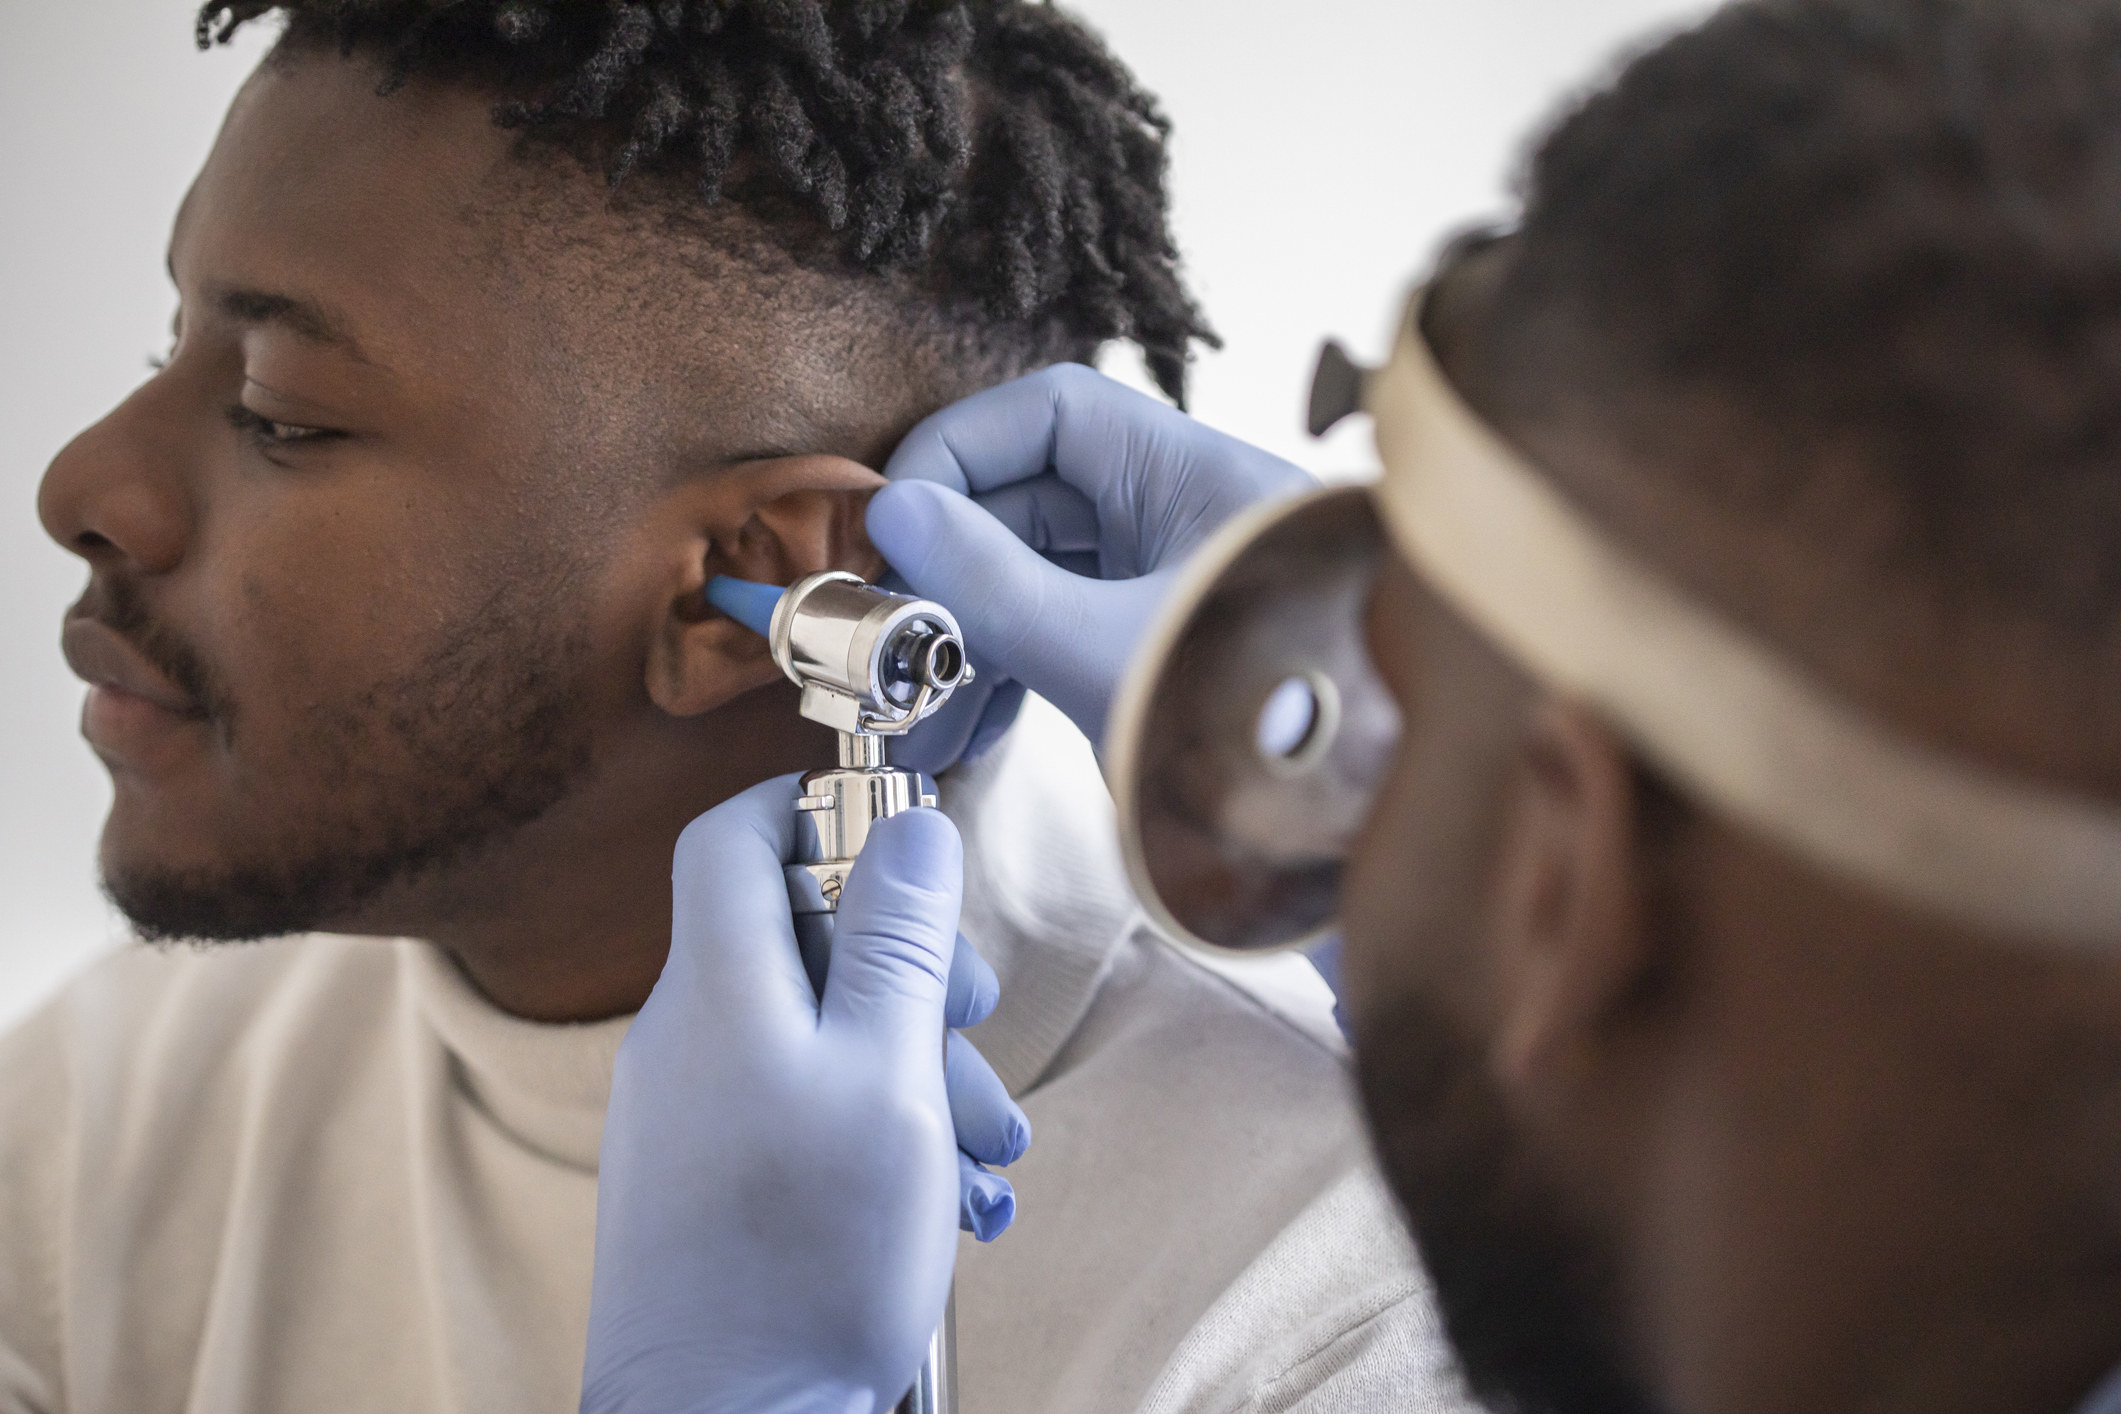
[(117, 495)]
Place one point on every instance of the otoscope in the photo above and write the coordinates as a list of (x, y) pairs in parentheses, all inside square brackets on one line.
[(871, 664)]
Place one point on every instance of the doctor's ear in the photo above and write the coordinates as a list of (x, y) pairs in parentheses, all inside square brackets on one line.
[(774, 521), (1573, 945)]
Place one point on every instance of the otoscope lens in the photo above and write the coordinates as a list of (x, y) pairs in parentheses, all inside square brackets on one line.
[(923, 655), (946, 662)]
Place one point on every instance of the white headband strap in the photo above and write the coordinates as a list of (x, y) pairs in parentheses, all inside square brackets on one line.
[(1729, 721)]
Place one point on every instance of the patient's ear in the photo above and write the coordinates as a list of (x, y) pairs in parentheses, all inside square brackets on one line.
[(772, 520)]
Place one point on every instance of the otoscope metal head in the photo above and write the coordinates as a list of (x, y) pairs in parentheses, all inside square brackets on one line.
[(868, 661), (871, 664)]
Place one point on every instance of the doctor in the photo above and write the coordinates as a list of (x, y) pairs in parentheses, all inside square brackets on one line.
[(1734, 942)]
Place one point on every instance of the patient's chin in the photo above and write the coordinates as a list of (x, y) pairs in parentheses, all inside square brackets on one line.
[(196, 905), (326, 875), (328, 872), (1526, 1294)]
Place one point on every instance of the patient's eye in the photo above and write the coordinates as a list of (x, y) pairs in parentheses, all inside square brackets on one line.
[(266, 432)]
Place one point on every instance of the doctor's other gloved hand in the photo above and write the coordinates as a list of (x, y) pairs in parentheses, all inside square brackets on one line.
[(783, 1176), (1049, 514)]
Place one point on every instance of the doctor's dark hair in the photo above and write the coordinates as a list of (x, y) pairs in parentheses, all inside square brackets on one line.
[(994, 151), (1887, 233)]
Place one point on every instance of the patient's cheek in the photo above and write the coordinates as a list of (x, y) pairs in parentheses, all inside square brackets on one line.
[(379, 726)]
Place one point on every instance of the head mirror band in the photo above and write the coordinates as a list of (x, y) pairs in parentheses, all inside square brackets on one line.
[(1740, 729)]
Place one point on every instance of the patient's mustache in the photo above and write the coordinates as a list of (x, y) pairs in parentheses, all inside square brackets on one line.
[(119, 605)]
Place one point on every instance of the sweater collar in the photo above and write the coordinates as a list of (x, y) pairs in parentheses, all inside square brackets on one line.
[(544, 1083)]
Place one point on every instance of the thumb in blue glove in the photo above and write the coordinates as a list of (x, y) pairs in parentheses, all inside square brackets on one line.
[(782, 1177), (1084, 498), (1064, 636)]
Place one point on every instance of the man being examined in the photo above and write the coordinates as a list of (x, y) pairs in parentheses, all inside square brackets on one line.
[(503, 326)]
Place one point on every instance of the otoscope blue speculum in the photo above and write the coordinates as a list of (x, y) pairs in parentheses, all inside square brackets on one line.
[(749, 603)]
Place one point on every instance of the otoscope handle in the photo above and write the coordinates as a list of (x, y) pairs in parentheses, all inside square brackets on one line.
[(934, 1388), (837, 809), (856, 651)]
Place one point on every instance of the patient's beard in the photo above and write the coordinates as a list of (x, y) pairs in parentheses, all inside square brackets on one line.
[(1527, 1295), (410, 776)]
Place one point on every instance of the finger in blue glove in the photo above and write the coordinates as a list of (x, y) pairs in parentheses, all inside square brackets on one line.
[(1157, 481), (987, 1202), (974, 990), (1061, 466), (1064, 637), (990, 1127)]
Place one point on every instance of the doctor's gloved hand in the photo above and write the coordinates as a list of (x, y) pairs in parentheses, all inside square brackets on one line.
[(782, 1177), (1049, 515)]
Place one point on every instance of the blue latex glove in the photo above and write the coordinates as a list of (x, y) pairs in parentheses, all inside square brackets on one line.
[(1084, 497), (782, 1175)]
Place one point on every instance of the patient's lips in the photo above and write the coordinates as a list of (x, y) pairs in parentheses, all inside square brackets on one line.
[(134, 715)]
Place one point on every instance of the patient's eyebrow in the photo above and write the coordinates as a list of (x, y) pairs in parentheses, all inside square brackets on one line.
[(304, 319)]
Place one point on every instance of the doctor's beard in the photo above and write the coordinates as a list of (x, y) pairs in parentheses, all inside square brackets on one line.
[(1528, 1295), (411, 774)]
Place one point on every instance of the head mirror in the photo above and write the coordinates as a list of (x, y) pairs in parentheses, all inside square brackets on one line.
[(1251, 732)]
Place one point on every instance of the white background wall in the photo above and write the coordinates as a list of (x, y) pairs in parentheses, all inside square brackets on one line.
[(1322, 150)]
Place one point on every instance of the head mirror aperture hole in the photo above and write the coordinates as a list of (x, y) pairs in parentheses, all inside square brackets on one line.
[(1297, 722)]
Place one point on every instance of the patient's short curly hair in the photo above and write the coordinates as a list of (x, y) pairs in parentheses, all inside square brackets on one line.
[(994, 150)]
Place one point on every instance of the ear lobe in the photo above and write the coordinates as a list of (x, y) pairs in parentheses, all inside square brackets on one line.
[(773, 520), (1570, 924)]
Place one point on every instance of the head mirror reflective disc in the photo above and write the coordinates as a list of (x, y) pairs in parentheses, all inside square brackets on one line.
[(1251, 731)]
